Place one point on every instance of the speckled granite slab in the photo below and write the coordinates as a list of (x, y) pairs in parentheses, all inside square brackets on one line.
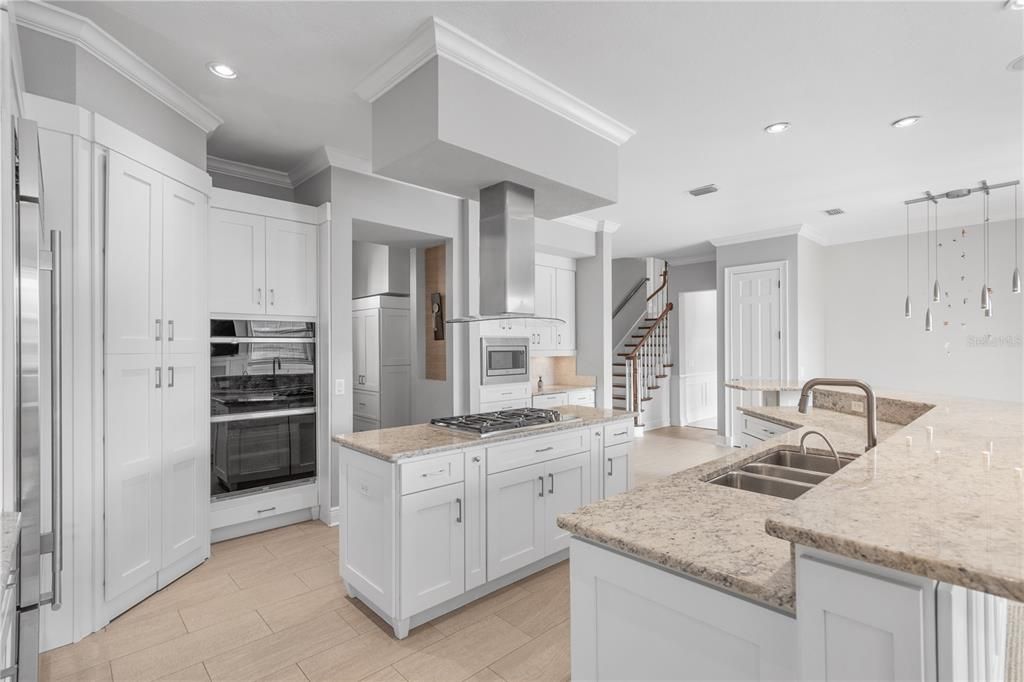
[(10, 532), (716, 534), (763, 385), (948, 505), (421, 439)]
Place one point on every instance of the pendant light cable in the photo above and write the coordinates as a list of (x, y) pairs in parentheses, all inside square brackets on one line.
[(1015, 282), (936, 289), (906, 304)]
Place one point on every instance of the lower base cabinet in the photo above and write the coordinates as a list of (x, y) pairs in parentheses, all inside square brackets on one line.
[(433, 531), (423, 536)]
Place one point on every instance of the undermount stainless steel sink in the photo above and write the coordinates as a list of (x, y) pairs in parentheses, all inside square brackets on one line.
[(762, 484), (784, 472)]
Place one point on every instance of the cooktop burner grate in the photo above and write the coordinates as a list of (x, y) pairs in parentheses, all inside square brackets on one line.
[(488, 423)]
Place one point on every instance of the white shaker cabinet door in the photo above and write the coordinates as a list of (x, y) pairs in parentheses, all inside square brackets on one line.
[(433, 562), (568, 489), (132, 462), (291, 268), (616, 469), (134, 321), (186, 323), (565, 308), (237, 263), (371, 341), (515, 519), (186, 456), (476, 517)]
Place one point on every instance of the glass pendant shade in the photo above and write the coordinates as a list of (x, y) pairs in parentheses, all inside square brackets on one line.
[(936, 292), (1015, 287), (986, 301), (988, 310), (928, 319), (907, 308)]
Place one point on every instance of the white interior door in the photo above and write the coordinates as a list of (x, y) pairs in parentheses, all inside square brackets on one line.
[(186, 456), (756, 317), (291, 268), (134, 216), (568, 489), (186, 325), (616, 469), (133, 394), (515, 519), (237, 263), (433, 548)]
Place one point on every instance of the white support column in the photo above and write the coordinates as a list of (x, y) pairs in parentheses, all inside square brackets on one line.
[(595, 350), (465, 346)]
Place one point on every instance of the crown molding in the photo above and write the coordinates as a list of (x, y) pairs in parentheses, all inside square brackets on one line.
[(438, 38), (75, 29), (788, 231), (247, 171), (326, 157)]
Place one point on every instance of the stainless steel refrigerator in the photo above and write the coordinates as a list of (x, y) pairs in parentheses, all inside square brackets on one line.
[(33, 264)]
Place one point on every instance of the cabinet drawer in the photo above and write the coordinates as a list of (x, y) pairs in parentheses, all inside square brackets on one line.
[(550, 400), (516, 404), (431, 473), (524, 452), (237, 510), (504, 392), (365, 404), (360, 424), (582, 397), (621, 432), (761, 429)]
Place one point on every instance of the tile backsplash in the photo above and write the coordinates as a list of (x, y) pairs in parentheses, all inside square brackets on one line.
[(559, 370)]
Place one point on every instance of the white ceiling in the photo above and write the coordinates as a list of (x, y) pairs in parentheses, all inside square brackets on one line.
[(698, 81)]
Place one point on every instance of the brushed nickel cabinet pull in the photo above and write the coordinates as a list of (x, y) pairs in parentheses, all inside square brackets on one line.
[(551, 487), (159, 327), (170, 377), (541, 479), (458, 501), (158, 382)]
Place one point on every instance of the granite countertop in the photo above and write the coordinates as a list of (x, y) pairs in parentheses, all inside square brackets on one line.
[(711, 532), (10, 533), (559, 388), (403, 442), (942, 496), (764, 385)]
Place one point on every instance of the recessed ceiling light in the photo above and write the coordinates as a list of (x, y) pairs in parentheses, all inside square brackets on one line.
[(905, 122), (834, 211), (780, 127), (222, 70), (1016, 65), (704, 189)]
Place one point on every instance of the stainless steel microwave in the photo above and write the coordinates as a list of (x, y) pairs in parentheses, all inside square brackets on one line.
[(504, 359)]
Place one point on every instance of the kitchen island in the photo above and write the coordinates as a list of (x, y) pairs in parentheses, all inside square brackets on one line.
[(897, 566), (434, 518)]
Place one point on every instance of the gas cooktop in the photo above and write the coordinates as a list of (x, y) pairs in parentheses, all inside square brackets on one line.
[(493, 423)]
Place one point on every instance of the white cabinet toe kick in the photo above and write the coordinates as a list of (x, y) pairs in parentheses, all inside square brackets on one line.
[(425, 535)]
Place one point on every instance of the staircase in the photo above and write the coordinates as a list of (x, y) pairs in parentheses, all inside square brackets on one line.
[(644, 356)]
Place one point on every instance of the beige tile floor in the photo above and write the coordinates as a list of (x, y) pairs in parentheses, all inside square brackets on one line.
[(271, 606)]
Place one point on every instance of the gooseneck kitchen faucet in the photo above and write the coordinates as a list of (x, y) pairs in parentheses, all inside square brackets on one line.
[(872, 405)]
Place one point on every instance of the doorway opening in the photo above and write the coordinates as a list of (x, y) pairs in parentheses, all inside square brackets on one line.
[(698, 361)]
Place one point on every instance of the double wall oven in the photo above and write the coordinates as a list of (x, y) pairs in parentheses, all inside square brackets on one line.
[(262, 404)]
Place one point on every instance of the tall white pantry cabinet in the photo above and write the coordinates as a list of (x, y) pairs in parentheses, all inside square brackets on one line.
[(156, 381)]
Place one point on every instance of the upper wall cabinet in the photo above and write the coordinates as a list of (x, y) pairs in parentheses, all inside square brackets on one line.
[(262, 265), (555, 292)]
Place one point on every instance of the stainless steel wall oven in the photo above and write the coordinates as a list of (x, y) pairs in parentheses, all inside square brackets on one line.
[(262, 404)]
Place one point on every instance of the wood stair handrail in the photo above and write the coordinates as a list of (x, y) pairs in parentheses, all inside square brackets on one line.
[(654, 325), (664, 283)]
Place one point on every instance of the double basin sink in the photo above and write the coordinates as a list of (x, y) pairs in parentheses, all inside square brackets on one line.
[(783, 472)]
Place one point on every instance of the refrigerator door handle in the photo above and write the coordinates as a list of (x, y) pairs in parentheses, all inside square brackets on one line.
[(57, 396)]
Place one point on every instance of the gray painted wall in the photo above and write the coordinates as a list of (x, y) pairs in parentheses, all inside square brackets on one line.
[(626, 272), (59, 70), (379, 269), (868, 337), (252, 187)]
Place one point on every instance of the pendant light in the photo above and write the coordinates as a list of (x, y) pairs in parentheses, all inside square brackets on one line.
[(906, 305), (936, 289), (928, 262), (1015, 285), (986, 300)]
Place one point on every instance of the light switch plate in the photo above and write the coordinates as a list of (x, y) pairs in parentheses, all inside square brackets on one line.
[(857, 406), (339, 387)]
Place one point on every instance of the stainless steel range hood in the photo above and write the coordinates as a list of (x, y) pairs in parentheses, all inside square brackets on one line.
[(507, 254)]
